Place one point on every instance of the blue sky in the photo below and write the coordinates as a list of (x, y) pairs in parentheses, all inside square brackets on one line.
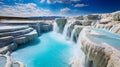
[(25, 8)]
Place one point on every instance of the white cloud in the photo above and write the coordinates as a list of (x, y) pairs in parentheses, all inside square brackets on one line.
[(75, 0), (42, 1), (58, 1), (29, 9), (51, 1), (65, 9), (80, 5), (1, 3)]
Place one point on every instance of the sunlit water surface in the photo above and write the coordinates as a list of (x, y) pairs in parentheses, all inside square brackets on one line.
[(49, 50)]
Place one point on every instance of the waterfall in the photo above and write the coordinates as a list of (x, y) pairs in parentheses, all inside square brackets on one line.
[(65, 30), (72, 35), (55, 27), (82, 56)]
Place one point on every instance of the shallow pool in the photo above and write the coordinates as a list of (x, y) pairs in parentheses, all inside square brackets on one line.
[(49, 50)]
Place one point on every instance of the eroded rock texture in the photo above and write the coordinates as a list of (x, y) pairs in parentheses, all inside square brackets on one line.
[(13, 36)]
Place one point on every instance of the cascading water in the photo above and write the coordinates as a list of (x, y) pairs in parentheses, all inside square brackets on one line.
[(72, 35), (115, 28), (65, 30), (82, 55), (55, 27), (78, 59)]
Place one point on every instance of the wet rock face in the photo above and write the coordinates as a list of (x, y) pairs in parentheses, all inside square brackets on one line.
[(75, 33), (61, 23), (71, 27), (98, 54)]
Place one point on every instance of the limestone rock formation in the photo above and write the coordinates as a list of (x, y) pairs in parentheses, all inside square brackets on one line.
[(13, 36), (60, 23), (116, 16), (106, 25), (79, 18), (98, 53), (92, 17), (99, 36)]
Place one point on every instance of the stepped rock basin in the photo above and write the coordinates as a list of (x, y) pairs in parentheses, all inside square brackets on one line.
[(49, 50), (107, 37)]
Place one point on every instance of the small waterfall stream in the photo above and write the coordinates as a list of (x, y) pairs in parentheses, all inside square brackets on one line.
[(79, 58), (115, 28), (55, 27), (72, 35), (65, 30)]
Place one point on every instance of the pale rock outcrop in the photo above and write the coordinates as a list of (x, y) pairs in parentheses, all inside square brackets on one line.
[(116, 16), (106, 17), (13, 28), (13, 36), (107, 20), (106, 25), (98, 53), (32, 35), (92, 17), (16, 33), (79, 18), (26, 37)]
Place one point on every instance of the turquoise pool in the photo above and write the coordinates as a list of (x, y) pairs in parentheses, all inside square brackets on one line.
[(49, 50)]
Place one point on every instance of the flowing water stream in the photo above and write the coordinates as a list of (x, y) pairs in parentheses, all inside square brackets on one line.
[(49, 50)]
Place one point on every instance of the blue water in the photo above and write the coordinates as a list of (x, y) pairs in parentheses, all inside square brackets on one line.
[(49, 50), (108, 37)]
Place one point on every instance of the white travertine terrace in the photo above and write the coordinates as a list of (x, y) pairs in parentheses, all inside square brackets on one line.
[(99, 35), (10, 38), (15, 33), (99, 53)]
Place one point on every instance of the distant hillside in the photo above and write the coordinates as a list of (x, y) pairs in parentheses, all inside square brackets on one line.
[(13, 18), (29, 18), (45, 17)]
